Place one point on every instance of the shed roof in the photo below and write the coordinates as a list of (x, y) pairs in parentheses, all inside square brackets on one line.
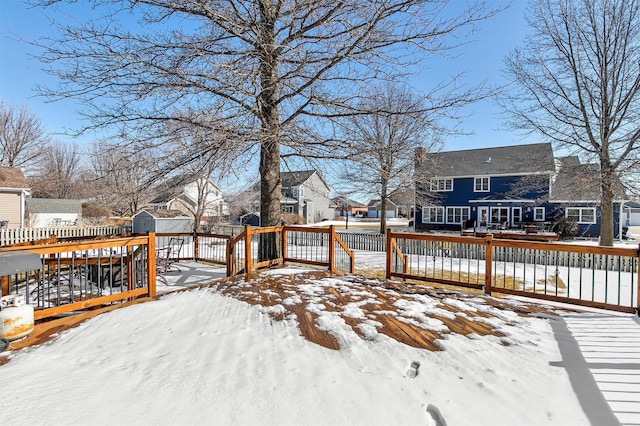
[(12, 177), (165, 214), (54, 205), (504, 160)]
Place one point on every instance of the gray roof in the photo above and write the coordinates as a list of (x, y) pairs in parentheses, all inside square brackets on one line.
[(579, 182), (291, 179), (53, 205), (165, 213), (504, 160), (378, 202), (343, 201)]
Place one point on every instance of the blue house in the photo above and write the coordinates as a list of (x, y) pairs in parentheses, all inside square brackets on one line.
[(507, 187)]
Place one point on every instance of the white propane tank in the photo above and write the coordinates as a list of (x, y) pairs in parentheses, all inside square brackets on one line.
[(16, 318)]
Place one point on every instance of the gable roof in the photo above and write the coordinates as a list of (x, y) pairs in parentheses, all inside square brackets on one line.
[(291, 179), (12, 177), (344, 201), (54, 205), (504, 160)]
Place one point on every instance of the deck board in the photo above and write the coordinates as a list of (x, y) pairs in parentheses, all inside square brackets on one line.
[(378, 299)]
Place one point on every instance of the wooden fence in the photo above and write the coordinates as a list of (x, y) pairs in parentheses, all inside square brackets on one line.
[(80, 275), (21, 235), (601, 277), (258, 248)]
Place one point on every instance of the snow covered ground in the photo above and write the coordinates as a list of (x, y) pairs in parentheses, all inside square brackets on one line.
[(198, 357)]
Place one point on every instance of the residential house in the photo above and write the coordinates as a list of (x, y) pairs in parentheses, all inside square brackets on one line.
[(306, 193), (374, 209), (344, 206), (184, 194), (46, 212), (13, 195), (403, 198), (509, 186)]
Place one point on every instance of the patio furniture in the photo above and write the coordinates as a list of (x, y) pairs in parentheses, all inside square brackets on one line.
[(168, 255)]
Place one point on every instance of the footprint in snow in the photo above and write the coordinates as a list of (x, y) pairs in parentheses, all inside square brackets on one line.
[(436, 416)]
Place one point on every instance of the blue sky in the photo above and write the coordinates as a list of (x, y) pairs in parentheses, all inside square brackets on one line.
[(482, 59)]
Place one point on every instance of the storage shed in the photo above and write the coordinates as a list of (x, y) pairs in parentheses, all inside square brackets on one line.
[(252, 219), (161, 221)]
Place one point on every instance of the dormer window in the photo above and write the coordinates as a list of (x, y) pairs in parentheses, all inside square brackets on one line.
[(481, 184)]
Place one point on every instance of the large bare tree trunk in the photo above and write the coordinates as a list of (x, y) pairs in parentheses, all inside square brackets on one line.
[(606, 204), (270, 182)]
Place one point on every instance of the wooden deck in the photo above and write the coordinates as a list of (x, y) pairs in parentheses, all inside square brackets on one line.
[(380, 299), (511, 234)]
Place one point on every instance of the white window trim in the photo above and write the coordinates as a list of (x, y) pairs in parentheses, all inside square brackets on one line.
[(581, 209), (513, 210), (435, 183), (481, 178), (462, 215), (544, 214), (492, 209), (425, 208)]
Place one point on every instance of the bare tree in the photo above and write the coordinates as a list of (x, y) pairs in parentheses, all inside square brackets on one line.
[(22, 136), (577, 84), (383, 138), (272, 68), (58, 172), (121, 178)]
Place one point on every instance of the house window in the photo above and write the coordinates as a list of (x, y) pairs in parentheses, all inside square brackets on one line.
[(538, 214), (457, 214), (516, 215), (301, 192), (438, 185), (582, 214), (287, 209), (433, 215), (499, 214), (481, 184)]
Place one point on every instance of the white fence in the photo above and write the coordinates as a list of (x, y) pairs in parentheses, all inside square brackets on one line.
[(22, 235)]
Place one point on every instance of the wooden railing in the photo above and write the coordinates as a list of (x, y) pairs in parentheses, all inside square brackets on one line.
[(81, 275), (292, 244), (21, 235), (601, 277)]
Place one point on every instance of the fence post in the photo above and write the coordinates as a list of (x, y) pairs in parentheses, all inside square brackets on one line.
[(332, 249), (389, 254), (151, 264), (488, 260), (247, 250), (196, 246), (283, 238), (230, 271), (638, 283)]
